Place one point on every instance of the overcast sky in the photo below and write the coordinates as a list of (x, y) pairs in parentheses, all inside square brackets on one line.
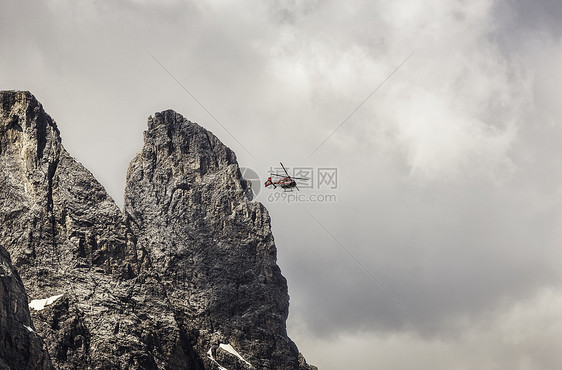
[(449, 191)]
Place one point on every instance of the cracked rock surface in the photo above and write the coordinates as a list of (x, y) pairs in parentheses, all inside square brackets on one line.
[(185, 271), (20, 346)]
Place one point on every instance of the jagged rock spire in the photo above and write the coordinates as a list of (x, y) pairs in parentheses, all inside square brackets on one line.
[(186, 277)]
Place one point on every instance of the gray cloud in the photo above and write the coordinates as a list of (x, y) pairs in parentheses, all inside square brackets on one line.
[(527, 16), (524, 337)]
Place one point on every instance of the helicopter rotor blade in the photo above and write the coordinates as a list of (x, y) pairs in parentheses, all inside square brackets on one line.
[(284, 169), (291, 177)]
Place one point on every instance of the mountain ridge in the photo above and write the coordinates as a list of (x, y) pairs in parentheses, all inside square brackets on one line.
[(185, 270)]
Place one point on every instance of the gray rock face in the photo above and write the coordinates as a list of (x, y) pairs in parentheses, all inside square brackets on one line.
[(185, 278), (211, 246), (66, 236), (20, 346)]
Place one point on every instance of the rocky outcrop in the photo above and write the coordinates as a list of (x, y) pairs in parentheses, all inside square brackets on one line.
[(66, 236), (210, 245), (186, 277), (20, 346)]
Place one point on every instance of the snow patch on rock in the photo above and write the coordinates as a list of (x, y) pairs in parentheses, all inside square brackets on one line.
[(39, 304)]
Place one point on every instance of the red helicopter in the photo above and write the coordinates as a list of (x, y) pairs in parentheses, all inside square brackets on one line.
[(286, 182)]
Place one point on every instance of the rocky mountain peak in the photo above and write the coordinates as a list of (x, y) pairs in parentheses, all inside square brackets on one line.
[(19, 104), (185, 277), (193, 149), (22, 119)]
